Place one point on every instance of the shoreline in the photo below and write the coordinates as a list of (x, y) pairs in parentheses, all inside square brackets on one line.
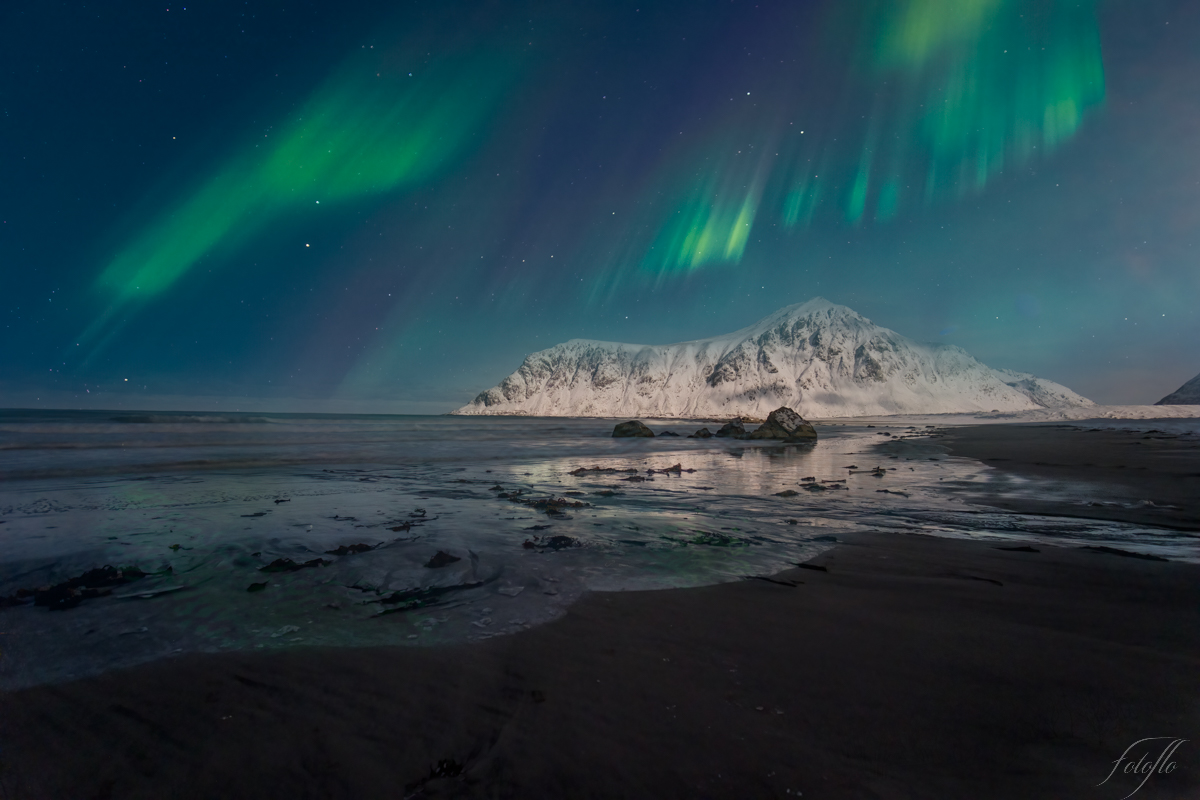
[(912, 666), (892, 665), (1133, 476)]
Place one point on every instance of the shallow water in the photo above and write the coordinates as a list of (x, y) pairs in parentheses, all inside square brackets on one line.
[(205, 502)]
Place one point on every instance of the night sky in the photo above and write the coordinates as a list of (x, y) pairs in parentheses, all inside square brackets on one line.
[(385, 207)]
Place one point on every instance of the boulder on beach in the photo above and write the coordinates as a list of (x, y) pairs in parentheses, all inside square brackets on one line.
[(784, 423), (631, 429), (703, 433), (668, 433), (735, 429)]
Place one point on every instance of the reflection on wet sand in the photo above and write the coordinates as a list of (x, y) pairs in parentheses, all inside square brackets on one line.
[(427, 539)]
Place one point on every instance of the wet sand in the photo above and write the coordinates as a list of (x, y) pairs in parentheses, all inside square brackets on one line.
[(1124, 468), (913, 667)]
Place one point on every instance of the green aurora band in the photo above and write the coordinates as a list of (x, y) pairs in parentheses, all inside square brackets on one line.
[(962, 90), (712, 225), (371, 128), (942, 97)]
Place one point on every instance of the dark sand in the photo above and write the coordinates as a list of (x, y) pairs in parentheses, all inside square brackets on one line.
[(914, 667), (1127, 467)]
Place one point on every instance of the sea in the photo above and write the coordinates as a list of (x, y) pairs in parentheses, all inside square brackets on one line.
[(127, 537)]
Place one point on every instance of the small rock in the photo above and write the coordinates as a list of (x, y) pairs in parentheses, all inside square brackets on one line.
[(441, 559), (735, 429), (631, 429), (784, 423), (511, 591), (674, 470), (703, 433)]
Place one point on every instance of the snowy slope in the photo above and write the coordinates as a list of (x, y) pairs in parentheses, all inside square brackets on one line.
[(1186, 395), (821, 359)]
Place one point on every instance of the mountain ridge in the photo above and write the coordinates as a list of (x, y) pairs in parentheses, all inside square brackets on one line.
[(1186, 395), (819, 358)]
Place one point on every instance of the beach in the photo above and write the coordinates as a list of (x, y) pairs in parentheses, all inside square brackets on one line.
[(911, 667), (1147, 473), (891, 664)]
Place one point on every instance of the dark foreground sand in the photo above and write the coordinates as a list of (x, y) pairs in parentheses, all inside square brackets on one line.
[(913, 668), (1130, 466)]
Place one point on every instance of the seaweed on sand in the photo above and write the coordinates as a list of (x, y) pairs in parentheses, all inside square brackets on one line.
[(553, 503), (98, 582), (675, 470), (287, 565), (352, 549), (408, 599), (550, 543), (719, 540), (601, 471)]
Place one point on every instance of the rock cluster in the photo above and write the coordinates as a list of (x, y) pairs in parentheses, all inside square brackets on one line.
[(782, 424)]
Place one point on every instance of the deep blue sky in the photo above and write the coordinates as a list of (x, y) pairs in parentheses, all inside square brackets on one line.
[(363, 206)]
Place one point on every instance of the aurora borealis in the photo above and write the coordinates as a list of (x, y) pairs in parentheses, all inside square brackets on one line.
[(254, 205)]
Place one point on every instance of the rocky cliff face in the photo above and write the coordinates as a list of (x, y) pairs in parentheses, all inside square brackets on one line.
[(821, 359), (1186, 395)]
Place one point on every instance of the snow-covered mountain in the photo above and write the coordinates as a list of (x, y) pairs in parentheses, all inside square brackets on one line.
[(1186, 395), (821, 359)]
